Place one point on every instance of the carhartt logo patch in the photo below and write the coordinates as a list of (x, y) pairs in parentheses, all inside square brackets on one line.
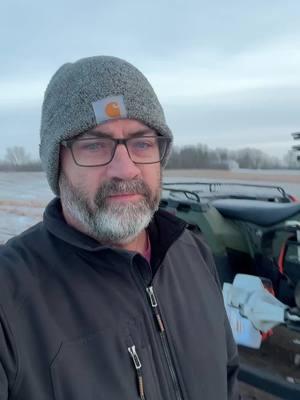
[(112, 110), (109, 108)]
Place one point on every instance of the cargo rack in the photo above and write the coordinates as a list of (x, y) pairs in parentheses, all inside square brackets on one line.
[(206, 190)]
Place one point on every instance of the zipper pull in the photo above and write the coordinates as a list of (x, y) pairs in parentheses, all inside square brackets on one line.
[(154, 305), (135, 357), (138, 368), (152, 297)]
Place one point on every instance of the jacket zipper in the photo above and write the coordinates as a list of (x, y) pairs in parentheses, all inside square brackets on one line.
[(165, 344), (138, 367)]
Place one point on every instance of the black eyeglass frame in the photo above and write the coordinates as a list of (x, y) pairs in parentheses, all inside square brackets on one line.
[(69, 145)]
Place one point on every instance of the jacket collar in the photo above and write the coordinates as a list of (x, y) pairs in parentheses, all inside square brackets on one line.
[(163, 230)]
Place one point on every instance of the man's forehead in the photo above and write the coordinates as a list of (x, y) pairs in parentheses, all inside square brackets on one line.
[(121, 127)]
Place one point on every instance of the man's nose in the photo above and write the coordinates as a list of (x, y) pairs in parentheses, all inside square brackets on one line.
[(121, 166)]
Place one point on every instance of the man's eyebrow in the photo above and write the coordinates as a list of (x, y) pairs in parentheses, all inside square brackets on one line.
[(142, 132), (98, 133)]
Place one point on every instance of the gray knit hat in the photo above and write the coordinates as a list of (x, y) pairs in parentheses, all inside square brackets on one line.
[(89, 92)]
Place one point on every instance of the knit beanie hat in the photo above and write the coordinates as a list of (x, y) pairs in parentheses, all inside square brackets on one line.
[(89, 92)]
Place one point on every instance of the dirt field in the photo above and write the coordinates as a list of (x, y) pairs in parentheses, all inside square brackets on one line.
[(262, 176), (249, 393)]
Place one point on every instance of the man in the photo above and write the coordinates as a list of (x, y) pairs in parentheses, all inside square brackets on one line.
[(108, 297)]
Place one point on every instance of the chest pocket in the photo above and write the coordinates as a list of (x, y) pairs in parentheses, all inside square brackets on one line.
[(100, 367)]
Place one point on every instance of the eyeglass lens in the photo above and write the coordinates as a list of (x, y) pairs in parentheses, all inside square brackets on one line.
[(100, 151)]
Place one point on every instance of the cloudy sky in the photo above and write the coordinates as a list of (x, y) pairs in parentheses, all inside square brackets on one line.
[(226, 72)]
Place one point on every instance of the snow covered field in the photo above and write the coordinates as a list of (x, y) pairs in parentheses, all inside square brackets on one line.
[(23, 195)]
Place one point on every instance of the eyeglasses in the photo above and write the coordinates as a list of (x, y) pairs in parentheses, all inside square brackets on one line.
[(98, 151)]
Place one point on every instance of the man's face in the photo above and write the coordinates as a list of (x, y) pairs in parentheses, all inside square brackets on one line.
[(115, 202)]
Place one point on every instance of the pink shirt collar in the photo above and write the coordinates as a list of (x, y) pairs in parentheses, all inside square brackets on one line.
[(147, 252)]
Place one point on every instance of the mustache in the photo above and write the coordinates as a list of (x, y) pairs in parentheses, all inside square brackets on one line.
[(116, 186)]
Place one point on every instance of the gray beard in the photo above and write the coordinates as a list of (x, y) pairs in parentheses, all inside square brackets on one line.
[(119, 222)]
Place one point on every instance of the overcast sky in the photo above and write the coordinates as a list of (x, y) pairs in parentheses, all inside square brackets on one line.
[(226, 72)]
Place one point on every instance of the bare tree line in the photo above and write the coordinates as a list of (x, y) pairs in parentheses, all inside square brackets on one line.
[(187, 157), (17, 159), (201, 156)]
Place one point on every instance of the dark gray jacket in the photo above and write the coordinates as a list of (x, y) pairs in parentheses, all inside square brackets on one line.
[(83, 321)]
